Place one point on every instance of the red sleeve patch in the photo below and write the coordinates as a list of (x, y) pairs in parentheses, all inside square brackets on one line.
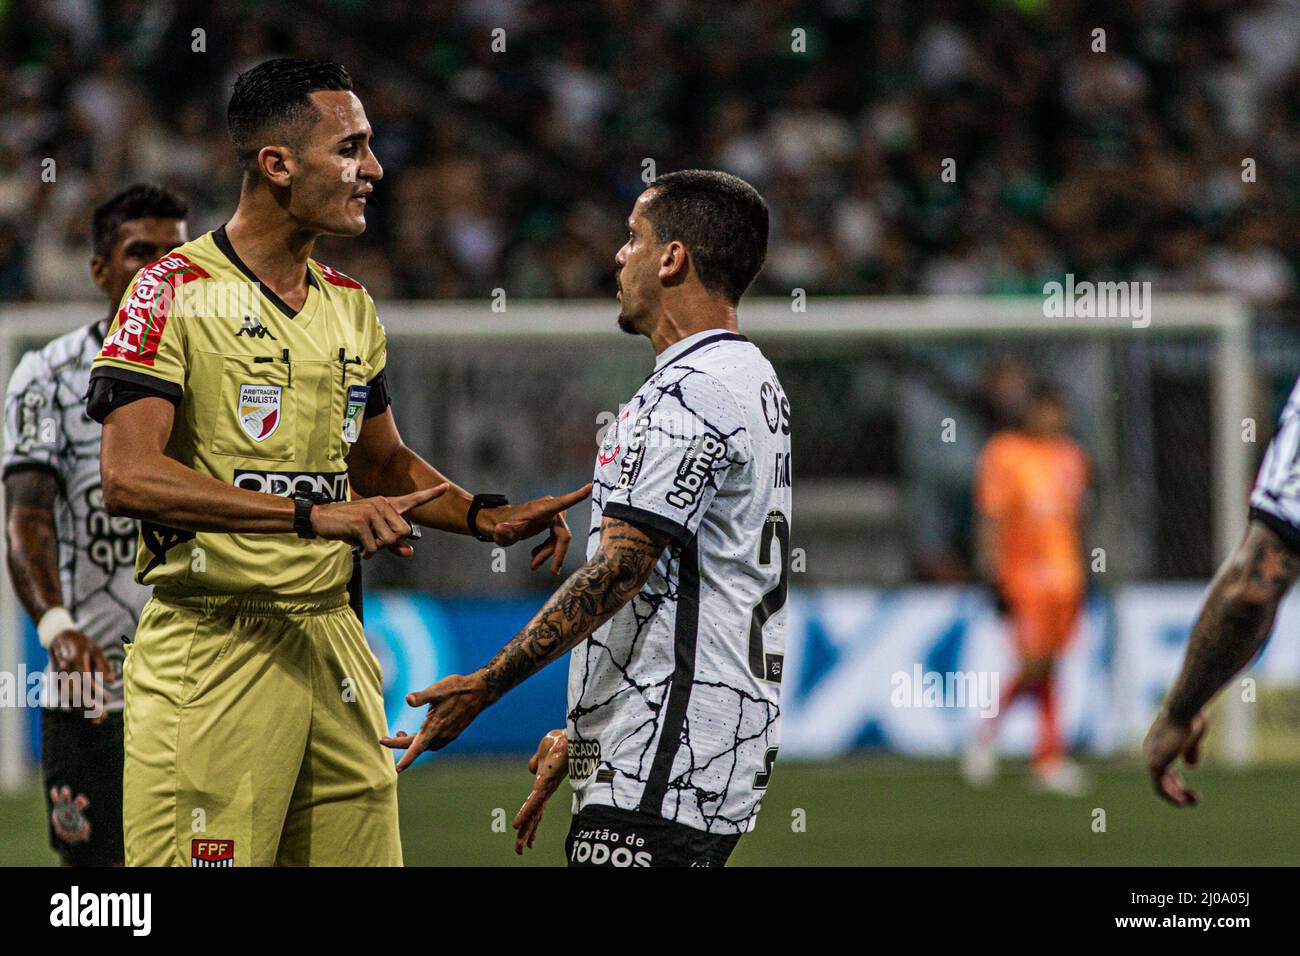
[(334, 277), (142, 318)]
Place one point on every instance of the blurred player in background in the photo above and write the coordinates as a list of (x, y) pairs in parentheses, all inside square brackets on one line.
[(71, 563), (243, 394), (676, 618), (1030, 486), (1238, 612)]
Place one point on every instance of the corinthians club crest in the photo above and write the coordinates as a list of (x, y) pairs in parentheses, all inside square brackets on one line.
[(259, 410)]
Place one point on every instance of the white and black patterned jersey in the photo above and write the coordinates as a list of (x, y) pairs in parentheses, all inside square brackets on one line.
[(1275, 499), (673, 703), (46, 427)]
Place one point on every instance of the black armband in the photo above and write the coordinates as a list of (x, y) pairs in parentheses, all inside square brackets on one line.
[(379, 399), (111, 388)]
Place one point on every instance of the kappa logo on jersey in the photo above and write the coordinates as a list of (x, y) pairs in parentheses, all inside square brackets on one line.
[(254, 329), (212, 852), (631, 466), (693, 472), (141, 320), (584, 755), (327, 486), (259, 410)]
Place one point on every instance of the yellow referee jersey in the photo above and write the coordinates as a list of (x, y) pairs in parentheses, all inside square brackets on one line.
[(267, 400)]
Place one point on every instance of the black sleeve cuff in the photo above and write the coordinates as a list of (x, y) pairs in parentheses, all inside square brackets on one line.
[(679, 533), (18, 467), (1289, 534), (111, 388), (379, 399)]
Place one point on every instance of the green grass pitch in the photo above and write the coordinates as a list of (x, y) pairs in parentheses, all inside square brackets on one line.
[(864, 811)]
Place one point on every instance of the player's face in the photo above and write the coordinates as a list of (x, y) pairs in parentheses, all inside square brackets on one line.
[(334, 168), (1048, 418), (638, 271), (138, 243)]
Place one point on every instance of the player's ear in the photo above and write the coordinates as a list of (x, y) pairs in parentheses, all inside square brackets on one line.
[(99, 272), (672, 262), (273, 163)]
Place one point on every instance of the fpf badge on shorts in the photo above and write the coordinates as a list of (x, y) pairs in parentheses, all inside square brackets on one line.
[(356, 410), (212, 852)]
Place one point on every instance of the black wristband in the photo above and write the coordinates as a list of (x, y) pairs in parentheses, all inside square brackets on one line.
[(302, 505), (478, 504)]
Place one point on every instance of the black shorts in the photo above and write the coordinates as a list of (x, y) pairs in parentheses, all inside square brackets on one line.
[(604, 836), (82, 766)]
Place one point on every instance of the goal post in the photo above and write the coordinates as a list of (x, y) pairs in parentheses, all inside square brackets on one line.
[(421, 332)]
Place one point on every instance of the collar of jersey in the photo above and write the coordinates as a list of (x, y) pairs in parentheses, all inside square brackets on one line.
[(691, 343), (223, 243)]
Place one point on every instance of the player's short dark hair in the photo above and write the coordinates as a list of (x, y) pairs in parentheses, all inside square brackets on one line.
[(139, 201), (1045, 393), (273, 101), (719, 218)]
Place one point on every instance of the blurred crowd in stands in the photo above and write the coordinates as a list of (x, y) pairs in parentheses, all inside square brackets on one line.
[(514, 135)]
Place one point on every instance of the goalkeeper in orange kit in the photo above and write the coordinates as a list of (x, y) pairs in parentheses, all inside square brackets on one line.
[(1029, 495)]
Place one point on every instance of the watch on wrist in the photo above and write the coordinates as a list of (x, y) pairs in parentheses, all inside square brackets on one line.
[(478, 504), (302, 505)]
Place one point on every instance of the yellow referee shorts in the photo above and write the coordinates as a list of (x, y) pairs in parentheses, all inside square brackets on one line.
[(252, 737)]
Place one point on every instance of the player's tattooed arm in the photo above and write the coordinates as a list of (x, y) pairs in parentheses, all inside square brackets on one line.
[(1234, 622), (623, 561), (620, 567), (29, 525)]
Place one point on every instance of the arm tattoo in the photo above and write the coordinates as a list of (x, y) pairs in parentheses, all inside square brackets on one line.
[(33, 557), (595, 592), (1235, 620)]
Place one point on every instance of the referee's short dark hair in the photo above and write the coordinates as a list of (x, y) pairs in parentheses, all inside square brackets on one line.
[(273, 101), (719, 218), (139, 201)]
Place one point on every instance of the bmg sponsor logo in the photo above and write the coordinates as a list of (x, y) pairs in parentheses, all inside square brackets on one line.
[(693, 472)]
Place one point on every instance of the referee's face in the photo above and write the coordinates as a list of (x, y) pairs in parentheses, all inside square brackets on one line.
[(334, 167)]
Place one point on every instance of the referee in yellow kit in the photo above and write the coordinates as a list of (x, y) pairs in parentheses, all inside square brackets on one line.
[(241, 388)]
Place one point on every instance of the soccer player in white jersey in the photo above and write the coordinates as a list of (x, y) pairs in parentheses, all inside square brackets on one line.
[(72, 564), (1238, 612), (676, 621)]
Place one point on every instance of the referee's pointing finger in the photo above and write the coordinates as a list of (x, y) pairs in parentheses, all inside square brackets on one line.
[(416, 498), (565, 502)]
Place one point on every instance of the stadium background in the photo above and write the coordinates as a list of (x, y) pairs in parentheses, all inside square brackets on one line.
[(513, 171)]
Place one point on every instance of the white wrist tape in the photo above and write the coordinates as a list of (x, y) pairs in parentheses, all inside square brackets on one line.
[(53, 623)]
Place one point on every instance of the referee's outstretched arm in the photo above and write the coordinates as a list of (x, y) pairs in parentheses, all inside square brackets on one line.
[(140, 481), (381, 464)]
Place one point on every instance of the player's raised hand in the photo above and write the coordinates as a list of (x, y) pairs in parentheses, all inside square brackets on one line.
[(1165, 743), (371, 524), (511, 523), (453, 704), (550, 765)]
